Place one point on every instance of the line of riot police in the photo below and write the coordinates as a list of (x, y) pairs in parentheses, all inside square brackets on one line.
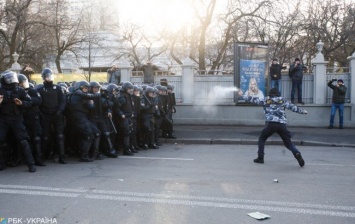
[(88, 120)]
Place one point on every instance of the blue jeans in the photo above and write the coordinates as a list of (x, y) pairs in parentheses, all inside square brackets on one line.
[(340, 107), (296, 84), (276, 84)]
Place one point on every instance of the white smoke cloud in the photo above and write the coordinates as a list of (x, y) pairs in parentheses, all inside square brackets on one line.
[(207, 102)]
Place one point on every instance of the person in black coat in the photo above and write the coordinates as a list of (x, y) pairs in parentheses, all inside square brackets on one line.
[(275, 75)]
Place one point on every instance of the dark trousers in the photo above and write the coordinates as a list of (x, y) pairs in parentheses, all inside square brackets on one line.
[(296, 84), (281, 130)]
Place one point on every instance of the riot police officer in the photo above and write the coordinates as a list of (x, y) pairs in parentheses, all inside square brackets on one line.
[(32, 119), (149, 108), (12, 100), (79, 103), (127, 114), (100, 115), (52, 108)]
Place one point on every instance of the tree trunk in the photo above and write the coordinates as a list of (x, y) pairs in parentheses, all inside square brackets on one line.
[(57, 63)]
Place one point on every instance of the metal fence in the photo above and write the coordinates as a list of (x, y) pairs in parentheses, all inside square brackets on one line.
[(206, 87)]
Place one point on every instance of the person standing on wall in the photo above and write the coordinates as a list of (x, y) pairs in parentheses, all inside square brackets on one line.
[(275, 74), (296, 75), (114, 75), (338, 100)]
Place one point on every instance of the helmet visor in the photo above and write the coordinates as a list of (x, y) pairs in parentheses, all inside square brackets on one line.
[(49, 77), (10, 78)]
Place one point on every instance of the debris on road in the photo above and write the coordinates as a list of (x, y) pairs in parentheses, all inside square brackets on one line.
[(258, 215)]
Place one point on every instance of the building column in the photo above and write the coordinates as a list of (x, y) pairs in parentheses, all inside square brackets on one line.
[(187, 81), (126, 70), (352, 77), (320, 76)]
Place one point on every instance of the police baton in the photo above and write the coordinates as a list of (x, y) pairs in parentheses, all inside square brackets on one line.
[(113, 126)]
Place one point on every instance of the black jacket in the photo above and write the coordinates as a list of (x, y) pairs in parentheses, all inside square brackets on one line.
[(8, 106), (53, 98), (338, 93), (275, 71)]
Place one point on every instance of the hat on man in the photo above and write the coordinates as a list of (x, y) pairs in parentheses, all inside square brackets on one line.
[(340, 80)]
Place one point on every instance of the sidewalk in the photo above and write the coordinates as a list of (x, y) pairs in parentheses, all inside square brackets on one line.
[(248, 135)]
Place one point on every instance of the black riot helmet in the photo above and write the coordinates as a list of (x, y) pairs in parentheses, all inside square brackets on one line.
[(22, 79), (135, 88), (9, 77), (64, 87), (47, 75), (83, 84), (112, 87), (126, 86), (95, 84), (159, 87), (148, 90), (170, 87)]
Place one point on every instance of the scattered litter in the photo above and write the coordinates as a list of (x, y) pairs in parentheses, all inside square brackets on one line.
[(258, 215), (276, 180)]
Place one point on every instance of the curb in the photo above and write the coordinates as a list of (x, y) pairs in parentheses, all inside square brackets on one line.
[(208, 141)]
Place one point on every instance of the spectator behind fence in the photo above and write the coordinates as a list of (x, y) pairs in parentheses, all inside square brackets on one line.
[(296, 75), (338, 101), (275, 74), (114, 75)]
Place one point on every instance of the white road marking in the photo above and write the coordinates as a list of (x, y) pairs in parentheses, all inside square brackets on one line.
[(41, 193), (161, 158), (225, 205), (216, 202), (325, 164)]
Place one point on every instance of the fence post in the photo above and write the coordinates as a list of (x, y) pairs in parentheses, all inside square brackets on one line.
[(352, 77), (187, 90), (126, 70), (320, 76)]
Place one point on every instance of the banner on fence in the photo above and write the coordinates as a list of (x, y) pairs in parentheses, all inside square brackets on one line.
[(250, 69)]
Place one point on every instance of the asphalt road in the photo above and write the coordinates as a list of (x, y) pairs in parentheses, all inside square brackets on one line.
[(187, 184)]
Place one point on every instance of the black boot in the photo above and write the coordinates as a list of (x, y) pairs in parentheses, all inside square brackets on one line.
[(61, 149), (28, 155), (111, 152), (134, 141), (2, 156), (96, 149), (38, 152), (299, 159), (85, 145), (260, 159), (126, 150), (152, 145)]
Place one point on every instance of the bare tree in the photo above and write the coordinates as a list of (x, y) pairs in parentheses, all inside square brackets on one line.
[(14, 15)]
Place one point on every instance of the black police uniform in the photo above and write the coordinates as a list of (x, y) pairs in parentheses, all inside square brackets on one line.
[(90, 134), (98, 115), (148, 111), (11, 118), (136, 101), (126, 123), (33, 124), (52, 108)]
